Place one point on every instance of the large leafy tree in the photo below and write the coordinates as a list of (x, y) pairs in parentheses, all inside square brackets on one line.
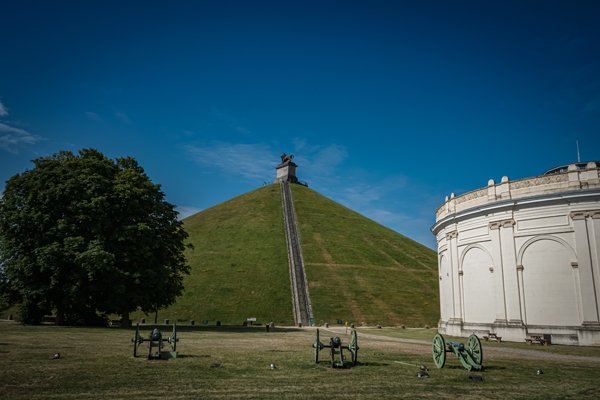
[(84, 236), (6, 292)]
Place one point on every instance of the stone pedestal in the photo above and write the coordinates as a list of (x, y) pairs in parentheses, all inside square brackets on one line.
[(286, 172)]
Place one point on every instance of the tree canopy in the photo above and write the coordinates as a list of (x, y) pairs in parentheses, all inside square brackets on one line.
[(85, 236)]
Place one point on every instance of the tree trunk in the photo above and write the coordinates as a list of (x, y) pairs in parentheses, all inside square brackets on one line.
[(125, 321), (60, 317)]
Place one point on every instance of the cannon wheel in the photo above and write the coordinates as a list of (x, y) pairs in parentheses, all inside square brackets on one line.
[(439, 351), (317, 346), (354, 347), (174, 338), (474, 346), (136, 340)]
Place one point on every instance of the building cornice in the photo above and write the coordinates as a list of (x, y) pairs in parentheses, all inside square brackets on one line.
[(581, 176), (533, 201)]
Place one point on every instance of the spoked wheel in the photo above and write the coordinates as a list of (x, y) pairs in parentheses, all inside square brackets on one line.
[(174, 337), (439, 351), (354, 347), (474, 346), (136, 340), (317, 346)]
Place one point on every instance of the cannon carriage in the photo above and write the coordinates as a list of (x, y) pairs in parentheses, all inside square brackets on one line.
[(156, 344), (470, 356), (336, 350)]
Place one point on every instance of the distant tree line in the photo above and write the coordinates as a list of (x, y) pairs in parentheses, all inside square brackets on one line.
[(83, 236)]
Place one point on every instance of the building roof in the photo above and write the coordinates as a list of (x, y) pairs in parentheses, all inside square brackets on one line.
[(565, 168)]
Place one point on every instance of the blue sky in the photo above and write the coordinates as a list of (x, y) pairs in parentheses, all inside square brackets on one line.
[(388, 106)]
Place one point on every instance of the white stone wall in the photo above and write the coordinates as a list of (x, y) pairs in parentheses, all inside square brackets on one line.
[(523, 257)]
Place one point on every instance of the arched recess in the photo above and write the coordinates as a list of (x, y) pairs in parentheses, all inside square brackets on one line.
[(549, 283), (478, 285), (446, 295), (534, 239)]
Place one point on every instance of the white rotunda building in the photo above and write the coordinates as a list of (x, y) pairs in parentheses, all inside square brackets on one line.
[(522, 258)]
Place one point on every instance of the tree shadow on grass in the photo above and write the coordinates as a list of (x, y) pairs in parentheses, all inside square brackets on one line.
[(493, 368), (484, 369), (193, 356), (372, 364), (213, 328)]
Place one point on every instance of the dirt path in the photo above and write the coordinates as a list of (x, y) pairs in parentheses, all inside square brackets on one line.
[(497, 352)]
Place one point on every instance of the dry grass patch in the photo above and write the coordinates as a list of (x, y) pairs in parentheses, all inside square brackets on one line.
[(98, 364)]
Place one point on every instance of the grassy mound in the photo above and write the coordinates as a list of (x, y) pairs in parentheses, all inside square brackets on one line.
[(361, 271), (358, 270), (239, 265)]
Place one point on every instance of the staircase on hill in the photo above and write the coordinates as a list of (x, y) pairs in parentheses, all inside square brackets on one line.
[(300, 298)]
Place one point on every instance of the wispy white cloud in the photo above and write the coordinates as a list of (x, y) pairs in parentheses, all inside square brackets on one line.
[(241, 129), (124, 118), (387, 216), (258, 160), (11, 138), (230, 121), (363, 189), (3, 111), (94, 116), (320, 164), (391, 201), (251, 161), (328, 157), (360, 194), (592, 105)]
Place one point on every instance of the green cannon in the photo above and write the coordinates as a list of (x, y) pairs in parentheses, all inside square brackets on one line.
[(471, 356), (156, 344), (336, 349)]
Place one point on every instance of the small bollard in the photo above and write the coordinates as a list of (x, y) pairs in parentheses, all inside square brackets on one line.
[(267, 327)]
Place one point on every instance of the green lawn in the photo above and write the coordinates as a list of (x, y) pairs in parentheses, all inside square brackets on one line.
[(97, 363)]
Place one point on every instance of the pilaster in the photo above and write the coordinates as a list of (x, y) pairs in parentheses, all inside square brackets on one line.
[(452, 238), (594, 236), (509, 272), (588, 273), (495, 249)]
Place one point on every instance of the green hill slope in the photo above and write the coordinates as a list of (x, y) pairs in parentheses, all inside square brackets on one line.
[(360, 271), (357, 269), (239, 265)]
